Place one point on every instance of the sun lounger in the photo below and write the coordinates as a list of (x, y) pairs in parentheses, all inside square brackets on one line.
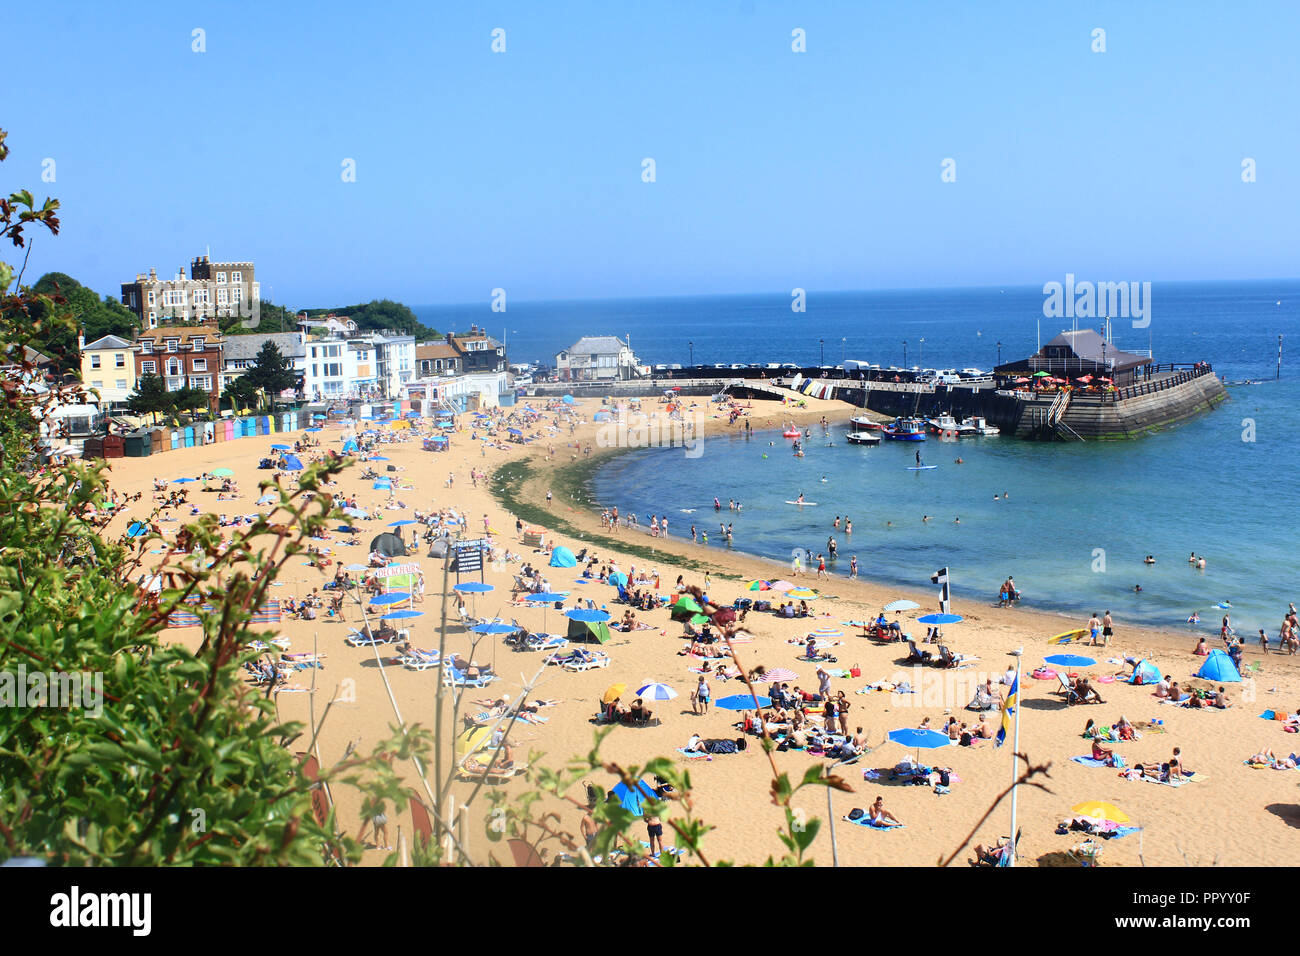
[(596, 659), (546, 642), (420, 660), (454, 678)]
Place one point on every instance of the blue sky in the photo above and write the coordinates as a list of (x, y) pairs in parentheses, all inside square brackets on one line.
[(522, 170)]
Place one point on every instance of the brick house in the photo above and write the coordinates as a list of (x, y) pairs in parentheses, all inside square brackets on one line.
[(183, 355)]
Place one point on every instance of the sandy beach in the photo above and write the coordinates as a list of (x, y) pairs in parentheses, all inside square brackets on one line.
[(1230, 814)]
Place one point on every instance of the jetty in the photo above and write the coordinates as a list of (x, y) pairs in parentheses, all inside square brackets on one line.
[(1077, 387)]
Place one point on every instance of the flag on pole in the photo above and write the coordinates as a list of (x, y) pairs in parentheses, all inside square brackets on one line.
[(1008, 708), (940, 578)]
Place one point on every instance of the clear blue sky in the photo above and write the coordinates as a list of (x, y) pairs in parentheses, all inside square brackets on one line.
[(523, 170)]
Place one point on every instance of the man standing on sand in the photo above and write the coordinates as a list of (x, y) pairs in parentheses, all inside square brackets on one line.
[(1094, 626), (548, 497), (1107, 629)]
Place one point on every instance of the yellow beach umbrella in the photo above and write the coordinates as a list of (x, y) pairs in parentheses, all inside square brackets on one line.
[(806, 593), (1100, 810), (471, 740), (614, 693)]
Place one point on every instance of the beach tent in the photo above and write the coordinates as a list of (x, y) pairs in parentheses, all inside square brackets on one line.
[(563, 558), (1219, 667), (589, 632), (630, 799), (1145, 673), (349, 446), (389, 545), (291, 463)]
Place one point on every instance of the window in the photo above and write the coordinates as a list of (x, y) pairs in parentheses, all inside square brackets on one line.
[(173, 297), (200, 365), (173, 345), (221, 279), (222, 295), (148, 368), (201, 381), (133, 300), (121, 383), (153, 317), (201, 297), (119, 360), (146, 346), (96, 384), (152, 295), (173, 368), (237, 278), (94, 361), (199, 343), (315, 370)]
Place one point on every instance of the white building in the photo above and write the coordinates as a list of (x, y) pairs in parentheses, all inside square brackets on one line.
[(598, 358), (370, 366)]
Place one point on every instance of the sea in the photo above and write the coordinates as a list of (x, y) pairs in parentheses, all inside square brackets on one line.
[(1071, 522)]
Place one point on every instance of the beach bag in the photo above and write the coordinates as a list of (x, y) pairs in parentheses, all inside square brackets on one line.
[(856, 813), (965, 740), (855, 671), (945, 779)]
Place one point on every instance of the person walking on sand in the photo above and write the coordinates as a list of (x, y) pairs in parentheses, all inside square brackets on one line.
[(548, 497), (1107, 629), (379, 829), (700, 700), (1094, 628), (821, 565)]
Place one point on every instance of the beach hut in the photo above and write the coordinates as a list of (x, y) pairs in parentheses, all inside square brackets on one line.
[(1219, 667), (588, 632), (1145, 673), (563, 558)]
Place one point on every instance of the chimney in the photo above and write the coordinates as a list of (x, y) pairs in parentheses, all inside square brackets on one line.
[(153, 275)]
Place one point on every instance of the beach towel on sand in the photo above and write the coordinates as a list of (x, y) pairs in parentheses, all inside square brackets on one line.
[(865, 821), (1090, 761)]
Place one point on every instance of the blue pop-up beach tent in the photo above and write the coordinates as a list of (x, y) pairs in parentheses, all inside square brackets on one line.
[(1145, 673), (291, 463), (563, 558), (1219, 667), (630, 799)]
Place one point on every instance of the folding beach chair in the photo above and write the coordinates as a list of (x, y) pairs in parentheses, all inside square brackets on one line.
[(1071, 696)]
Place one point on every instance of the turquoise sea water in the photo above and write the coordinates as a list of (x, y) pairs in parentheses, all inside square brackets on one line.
[(1080, 517)]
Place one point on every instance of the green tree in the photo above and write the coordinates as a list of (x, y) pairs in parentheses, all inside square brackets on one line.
[(66, 298), (150, 396), (271, 371), (189, 400), (379, 314)]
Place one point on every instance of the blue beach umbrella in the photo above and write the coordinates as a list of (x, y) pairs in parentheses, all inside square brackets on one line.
[(493, 627), (313, 429), (348, 529), (656, 691), (400, 615), (281, 448), (1069, 660), (181, 481), (355, 513), (568, 399), (474, 587), (393, 597), (940, 619), (379, 458), (617, 578), (268, 499), (136, 529), (382, 486), (547, 597), (742, 702), (590, 615), (923, 739), (401, 524)]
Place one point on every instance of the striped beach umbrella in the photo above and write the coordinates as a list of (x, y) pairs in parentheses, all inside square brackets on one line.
[(807, 594), (825, 631), (656, 691), (758, 585), (779, 674), (901, 605)]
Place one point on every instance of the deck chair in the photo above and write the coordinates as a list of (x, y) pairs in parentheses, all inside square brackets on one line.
[(917, 656), (1071, 695)]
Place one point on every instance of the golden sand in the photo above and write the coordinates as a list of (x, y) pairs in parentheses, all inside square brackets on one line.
[(1232, 814)]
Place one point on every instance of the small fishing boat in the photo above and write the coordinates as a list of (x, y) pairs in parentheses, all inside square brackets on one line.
[(862, 438), (977, 425), (905, 429), (945, 424), (862, 423)]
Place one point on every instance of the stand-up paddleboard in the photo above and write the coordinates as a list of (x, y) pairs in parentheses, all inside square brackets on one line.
[(921, 467), (802, 503), (1065, 637)]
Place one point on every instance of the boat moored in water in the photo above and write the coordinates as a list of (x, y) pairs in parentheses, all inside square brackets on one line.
[(977, 425), (905, 429), (863, 438)]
